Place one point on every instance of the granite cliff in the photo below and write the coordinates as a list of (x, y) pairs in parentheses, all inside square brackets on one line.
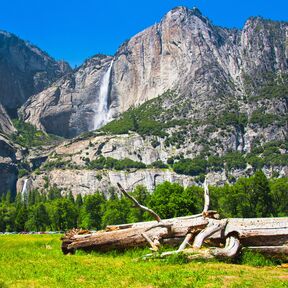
[(207, 65), (181, 99), (24, 70)]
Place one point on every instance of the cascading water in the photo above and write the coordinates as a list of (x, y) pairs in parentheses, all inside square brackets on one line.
[(24, 189), (102, 110)]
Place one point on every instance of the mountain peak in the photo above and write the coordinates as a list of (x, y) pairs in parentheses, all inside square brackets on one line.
[(195, 11), (182, 11)]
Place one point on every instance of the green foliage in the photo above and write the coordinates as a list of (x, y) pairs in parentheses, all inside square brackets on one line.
[(265, 119), (22, 172), (175, 139), (28, 136), (111, 163), (279, 195), (172, 200), (256, 259), (216, 163), (199, 165), (268, 155), (261, 195), (235, 160), (55, 164), (191, 167), (58, 210), (116, 211), (233, 118), (159, 164), (275, 87), (63, 214), (255, 161), (145, 119), (91, 211), (38, 219), (251, 197)]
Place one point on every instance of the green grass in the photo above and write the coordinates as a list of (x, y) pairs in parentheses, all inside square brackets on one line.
[(37, 261)]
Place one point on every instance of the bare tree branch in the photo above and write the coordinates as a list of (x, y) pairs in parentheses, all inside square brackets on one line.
[(185, 242), (206, 197), (231, 248), (212, 227), (144, 208), (155, 244)]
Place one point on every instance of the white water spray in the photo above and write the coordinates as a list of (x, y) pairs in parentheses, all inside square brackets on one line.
[(101, 115), (24, 189)]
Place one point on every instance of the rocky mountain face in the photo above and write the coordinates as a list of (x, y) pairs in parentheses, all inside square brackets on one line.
[(68, 107), (188, 98), (9, 155), (6, 125), (67, 167), (78, 165), (208, 65), (24, 70)]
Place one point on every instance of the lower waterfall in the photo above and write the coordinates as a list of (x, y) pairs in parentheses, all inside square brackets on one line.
[(24, 189)]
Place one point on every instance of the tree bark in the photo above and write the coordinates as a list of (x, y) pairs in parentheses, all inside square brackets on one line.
[(120, 237), (250, 232), (265, 235)]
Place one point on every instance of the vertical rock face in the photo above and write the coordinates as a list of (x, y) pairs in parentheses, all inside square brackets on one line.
[(264, 47), (184, 52), (9, 171), (206, 64), (68, 107), (24, 70), (6, 125)]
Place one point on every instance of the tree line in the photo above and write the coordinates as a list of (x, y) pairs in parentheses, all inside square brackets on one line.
[(56, 211)]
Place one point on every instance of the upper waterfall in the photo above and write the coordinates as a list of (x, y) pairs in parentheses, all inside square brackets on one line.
[(102, 109)]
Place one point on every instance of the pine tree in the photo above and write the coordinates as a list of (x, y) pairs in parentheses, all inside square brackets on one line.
[(262, 195)]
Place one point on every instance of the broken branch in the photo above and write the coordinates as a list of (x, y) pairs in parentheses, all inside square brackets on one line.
[(144, 208)]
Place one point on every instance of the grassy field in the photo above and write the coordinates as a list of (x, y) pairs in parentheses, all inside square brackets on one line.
[(37, 261)]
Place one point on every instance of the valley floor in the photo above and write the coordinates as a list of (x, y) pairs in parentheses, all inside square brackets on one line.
[(37, 261)]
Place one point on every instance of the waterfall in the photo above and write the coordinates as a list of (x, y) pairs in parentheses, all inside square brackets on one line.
[(101, 115), (24, 189)]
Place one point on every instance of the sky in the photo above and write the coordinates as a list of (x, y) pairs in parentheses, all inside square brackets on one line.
[(76, 30)]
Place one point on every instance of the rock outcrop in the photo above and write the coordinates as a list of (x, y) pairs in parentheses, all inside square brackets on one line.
[(8, 168), (68, 107), (208, 65), (67, 167), (6, 125), (24, 70)]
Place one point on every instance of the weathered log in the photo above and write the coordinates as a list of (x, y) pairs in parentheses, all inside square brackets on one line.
[(230, 250), (274, 251), (203, 228), (131, 235), (256, 231), (250, 232)]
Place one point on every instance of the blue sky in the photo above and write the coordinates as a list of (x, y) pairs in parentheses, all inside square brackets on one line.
[(75, 30)]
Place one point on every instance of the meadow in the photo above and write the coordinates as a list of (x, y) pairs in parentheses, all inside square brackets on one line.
[(37, 261)]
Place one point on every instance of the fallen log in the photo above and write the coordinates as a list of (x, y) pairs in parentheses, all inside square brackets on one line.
[(274, 251), (225, 237), (120, 237)]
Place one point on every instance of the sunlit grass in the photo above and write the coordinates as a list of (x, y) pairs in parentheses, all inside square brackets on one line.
[(37, 261)]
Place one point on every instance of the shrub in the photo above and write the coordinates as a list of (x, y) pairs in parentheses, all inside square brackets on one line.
[(110, 163), (234, 160), (28, 136), (192, 167), (22, 172), (159, 164)]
